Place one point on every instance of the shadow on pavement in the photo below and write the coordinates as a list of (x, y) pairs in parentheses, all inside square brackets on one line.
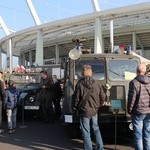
[(37, 135)]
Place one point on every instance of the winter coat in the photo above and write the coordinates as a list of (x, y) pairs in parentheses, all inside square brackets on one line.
[(46, 94), (57, 90), (138, 95), (12, 98), (2, 90), (88, 96)]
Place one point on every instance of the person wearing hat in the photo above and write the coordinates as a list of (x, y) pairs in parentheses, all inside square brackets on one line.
[(10, 104)]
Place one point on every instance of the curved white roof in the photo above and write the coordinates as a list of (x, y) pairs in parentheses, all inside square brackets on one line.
[(126, 19)]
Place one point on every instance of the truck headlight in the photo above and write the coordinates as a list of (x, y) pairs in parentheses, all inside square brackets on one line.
[(31, 99), (131, 126), (107, 86)]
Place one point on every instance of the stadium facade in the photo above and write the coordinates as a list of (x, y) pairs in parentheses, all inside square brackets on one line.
[(98, 31)]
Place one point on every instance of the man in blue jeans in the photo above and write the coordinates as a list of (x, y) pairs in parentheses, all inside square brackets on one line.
[(139, 108), (87, 99)]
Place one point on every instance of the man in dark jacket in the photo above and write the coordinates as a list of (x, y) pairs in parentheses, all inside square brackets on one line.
[(87, 99), (57, 96), (139, 108), (46, 96), (2, 96)]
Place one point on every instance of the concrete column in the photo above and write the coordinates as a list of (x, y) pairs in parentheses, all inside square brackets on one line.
[(0, 59), (33, 12), (134, 41), (103, 45), (9, 56), (111, 35), (23, 59), (98, 37), (95, 5), (57, 53), (20, 60), (30, 58), (39, 48), (26, 62)]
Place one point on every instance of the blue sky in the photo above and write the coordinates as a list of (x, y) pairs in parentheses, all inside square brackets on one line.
[(16, 14)]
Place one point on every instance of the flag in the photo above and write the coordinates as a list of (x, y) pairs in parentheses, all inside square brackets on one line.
[(22, 68), (17, 68)]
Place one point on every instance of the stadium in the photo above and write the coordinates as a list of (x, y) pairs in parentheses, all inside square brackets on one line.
[(98, 32)]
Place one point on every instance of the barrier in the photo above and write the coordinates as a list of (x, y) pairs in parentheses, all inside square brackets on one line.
[(22, 97), (116, 105)]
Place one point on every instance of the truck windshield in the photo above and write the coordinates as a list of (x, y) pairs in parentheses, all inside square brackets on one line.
[(97, 68), (122, 69)]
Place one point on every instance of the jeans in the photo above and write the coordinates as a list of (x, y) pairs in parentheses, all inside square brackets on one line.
[(141, 131), (85, 128), (11, 118)]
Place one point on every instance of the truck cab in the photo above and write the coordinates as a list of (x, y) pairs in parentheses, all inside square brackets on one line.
[(114, 72)]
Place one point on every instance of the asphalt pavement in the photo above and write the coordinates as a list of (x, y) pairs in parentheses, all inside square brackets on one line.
[(36, 135)]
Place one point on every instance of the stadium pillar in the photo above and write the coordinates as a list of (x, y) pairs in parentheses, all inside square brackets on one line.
[(57, 53), (39, 48), (134, 41), (30, 58), (9, 56), (98, 37)]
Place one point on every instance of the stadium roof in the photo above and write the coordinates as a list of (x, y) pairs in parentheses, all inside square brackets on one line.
[(133, 18)]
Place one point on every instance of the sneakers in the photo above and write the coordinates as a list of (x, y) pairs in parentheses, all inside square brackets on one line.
[(1, 130), (10, 131)]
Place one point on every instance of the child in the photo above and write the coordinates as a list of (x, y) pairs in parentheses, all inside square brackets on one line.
[(10, 104)]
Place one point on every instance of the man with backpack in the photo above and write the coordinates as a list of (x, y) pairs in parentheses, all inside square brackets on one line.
[(139, 108), (87, 99), (10, 104)]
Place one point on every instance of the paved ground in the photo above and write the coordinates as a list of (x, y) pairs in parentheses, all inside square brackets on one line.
[(35, 135)]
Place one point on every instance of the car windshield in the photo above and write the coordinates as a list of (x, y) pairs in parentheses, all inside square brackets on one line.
[(97, 68), (25, 78), (122, 69)]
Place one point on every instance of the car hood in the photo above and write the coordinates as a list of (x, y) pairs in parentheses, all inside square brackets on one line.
[(27, 88)]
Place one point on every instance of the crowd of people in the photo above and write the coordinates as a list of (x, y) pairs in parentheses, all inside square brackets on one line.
[(89, 96), (87, 99), (49, 95)]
